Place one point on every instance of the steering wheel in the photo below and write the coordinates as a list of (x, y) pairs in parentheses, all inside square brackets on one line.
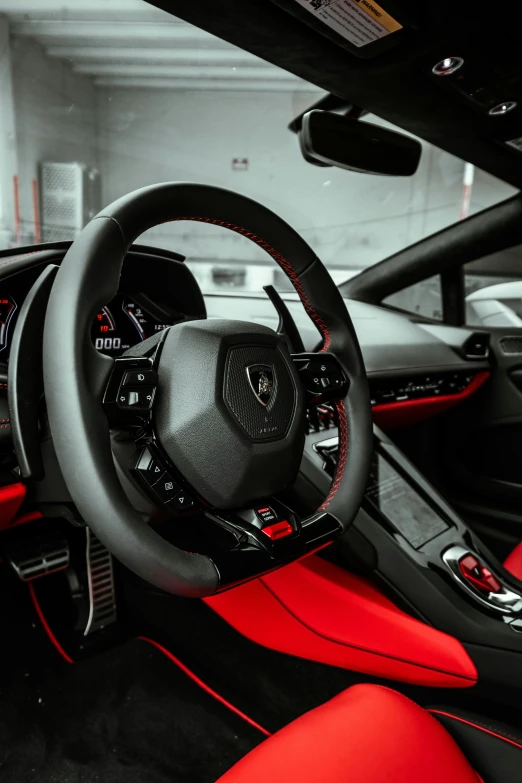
[(221, 414)]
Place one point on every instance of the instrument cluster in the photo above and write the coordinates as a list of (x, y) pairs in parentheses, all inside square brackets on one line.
[(121, 324)]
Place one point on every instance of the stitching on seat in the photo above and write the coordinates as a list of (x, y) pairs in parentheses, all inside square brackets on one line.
[(283, 263), (511, 738)]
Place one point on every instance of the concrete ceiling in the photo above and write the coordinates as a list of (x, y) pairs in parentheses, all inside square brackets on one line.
[(128, 43)]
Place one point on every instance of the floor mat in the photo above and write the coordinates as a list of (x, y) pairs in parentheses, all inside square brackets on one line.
[(127, 715)]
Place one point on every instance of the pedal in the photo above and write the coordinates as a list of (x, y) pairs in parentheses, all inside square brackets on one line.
[(102, 593), (39, 557)]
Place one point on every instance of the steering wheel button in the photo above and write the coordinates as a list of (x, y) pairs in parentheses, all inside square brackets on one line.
[(166, 489), (139, 378), (149, 468), (278, 530), (136, 399), (181, 501), (266, 515)]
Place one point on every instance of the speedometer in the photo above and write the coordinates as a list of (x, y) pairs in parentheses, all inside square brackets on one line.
[(121, 324)]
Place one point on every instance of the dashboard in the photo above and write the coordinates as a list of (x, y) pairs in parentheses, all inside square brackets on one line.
[(158, 290)]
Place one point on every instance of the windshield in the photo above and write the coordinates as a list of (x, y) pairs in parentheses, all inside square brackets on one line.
[(100, 98)]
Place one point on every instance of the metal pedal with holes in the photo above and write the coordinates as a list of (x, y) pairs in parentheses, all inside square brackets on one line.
[(39, 557)]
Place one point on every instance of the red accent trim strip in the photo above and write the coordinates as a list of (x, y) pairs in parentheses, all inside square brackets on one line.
[(203, 685), (30, 516), (393, 415), (11, 498), (478, 726), (52, 638)]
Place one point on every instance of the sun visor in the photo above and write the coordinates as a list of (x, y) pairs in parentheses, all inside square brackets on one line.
[(363, 27)]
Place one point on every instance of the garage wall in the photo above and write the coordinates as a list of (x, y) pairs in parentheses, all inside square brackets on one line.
[(56, 118), (352, 220)]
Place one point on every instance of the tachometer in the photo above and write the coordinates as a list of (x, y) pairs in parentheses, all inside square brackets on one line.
[(113, 331)]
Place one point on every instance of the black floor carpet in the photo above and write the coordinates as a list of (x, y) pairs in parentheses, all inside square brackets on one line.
[(126, 715)]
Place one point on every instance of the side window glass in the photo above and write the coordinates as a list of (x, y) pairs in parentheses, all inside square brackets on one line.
[(493, 287), (424, 298)]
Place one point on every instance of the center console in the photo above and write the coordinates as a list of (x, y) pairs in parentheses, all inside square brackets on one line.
[(412, 540)]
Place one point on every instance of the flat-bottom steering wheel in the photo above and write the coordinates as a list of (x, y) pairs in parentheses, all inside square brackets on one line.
[(216, 407)]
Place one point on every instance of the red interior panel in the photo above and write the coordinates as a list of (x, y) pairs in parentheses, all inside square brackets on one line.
[(315, 610), (394, 415), (11, 498), (513, 563)]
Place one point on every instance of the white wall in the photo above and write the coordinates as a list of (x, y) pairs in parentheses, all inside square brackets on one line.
[(56, 118), (350, 219), (8, 163)]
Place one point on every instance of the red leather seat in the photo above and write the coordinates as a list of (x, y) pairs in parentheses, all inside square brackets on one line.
[(367, 734), (513, 563)]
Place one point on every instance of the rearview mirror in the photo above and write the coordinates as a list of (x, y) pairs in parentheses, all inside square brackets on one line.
[(329, 139)]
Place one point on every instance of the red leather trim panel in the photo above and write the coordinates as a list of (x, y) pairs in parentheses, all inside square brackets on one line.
[(513, 563), (505, 737), (203, 685), (11, 498), (315, 610), (52, 638), (394, 415), (367, 734)]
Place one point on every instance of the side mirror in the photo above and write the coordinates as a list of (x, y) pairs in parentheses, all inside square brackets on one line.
[(329, 139)]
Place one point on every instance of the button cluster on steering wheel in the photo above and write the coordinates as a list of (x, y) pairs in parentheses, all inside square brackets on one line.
[(151, 470)]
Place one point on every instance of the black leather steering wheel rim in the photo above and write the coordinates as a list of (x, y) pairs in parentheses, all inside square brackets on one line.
[(74, 372)]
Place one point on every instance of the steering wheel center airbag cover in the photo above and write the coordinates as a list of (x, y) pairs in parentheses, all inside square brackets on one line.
[(259, 391), (230, 410)]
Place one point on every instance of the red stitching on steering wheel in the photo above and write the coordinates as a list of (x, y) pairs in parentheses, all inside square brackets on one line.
[(343, 453), (283, 263)]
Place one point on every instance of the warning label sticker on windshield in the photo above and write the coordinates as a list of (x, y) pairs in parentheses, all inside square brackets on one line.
[(359, 21)]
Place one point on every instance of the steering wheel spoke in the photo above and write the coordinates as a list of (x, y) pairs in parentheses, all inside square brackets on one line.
[(130, 391), (322, 376)]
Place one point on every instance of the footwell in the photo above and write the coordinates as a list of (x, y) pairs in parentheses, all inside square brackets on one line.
[(126, 715)]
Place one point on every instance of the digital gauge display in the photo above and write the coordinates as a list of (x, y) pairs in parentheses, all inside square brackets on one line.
[(121, 324), (8, 308)]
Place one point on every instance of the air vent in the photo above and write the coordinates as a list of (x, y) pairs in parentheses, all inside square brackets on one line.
[(477, 346), (511, 344)]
